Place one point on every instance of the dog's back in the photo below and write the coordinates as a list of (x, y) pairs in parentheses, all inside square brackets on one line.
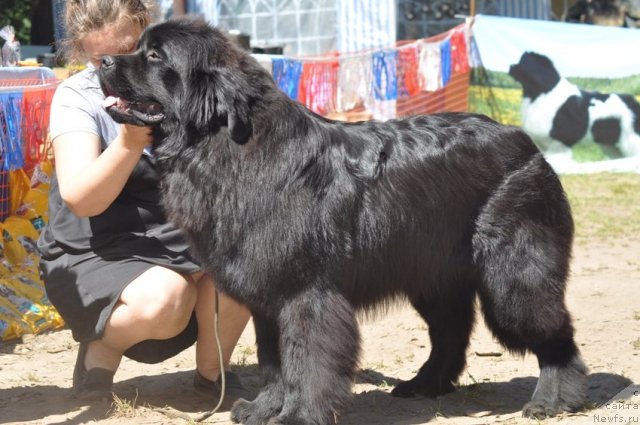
[(421, 186)]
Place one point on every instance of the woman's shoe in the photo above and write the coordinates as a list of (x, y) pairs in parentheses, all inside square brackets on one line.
[(234, 389), (92, 384)]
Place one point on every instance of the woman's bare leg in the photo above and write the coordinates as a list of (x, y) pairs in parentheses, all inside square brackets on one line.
[(232, 317), (156, 305)]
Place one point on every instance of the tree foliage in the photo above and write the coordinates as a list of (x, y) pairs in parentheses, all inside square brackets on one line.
[(18, 14)]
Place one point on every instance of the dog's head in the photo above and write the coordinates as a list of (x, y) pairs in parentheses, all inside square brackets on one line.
[(536, 73), (604, 12), (183, 73)]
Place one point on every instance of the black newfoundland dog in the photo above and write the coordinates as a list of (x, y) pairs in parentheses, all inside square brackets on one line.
[(306, 220)]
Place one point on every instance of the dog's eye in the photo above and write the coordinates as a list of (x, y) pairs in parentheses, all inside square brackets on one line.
[(153, 55)]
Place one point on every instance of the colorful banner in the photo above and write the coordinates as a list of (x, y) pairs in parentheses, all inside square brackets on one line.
[(413, 77), (573, 88)]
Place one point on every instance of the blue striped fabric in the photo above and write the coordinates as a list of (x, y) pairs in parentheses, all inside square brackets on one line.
[(205, 8), (59, 29), (286, 73), (366, 24), (385, 79), (166, 8), (445, 61), (527, 9)]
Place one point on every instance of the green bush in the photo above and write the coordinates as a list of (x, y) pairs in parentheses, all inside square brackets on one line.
[(18, 14)]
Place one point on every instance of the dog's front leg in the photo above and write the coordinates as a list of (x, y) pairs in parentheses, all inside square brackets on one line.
[(269, 402), (319, 347)]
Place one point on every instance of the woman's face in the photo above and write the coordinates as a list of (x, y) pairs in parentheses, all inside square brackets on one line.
[(112, 39)]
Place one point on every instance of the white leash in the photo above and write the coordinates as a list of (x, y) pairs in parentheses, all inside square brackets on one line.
[(171, 412)]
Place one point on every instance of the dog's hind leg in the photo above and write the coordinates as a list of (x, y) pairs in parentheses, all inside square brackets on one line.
[(319, 346), (269, 402), (562, 383), (522, 249), (531, 321), (450, 319)]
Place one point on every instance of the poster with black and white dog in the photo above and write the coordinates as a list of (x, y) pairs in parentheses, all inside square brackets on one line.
[(574, 88)]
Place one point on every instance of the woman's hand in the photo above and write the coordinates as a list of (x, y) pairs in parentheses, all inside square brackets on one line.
[(90, 180), (135, 136)]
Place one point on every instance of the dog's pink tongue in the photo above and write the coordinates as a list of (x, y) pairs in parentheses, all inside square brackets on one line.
[(110, 101)]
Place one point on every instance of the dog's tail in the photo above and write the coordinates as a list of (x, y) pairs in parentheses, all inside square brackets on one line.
[(522, 248)]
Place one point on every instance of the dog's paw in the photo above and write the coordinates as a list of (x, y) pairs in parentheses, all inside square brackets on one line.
[(299, 419), (412, 388), (404, 389), (266, 405), (257, 412), (537, 409), (559, 389), (243, 412), (239, 411)]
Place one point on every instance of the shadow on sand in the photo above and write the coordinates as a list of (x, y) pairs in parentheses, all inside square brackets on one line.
[(366, 408)]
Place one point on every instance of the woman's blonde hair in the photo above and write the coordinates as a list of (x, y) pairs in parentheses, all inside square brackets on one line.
[(86, 16)]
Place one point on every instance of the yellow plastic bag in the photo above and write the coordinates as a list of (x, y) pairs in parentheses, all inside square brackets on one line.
[(24, 305), (34, 204), (19, 186), (11, 325), (30, 312), (19, 239), (11, 248)]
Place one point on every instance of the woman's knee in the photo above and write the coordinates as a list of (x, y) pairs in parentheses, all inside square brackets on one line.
[(163, 299)]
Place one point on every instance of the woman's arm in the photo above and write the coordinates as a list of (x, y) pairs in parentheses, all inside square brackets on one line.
[(90, 181)]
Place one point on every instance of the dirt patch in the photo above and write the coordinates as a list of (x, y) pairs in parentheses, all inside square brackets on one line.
[(603, 296)]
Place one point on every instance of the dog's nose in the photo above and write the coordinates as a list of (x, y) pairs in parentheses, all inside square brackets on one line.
[(107, 61)]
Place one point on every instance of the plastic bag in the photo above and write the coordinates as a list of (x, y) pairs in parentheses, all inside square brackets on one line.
[(11, 129), (11, 47), (19, 239), (11, 324), (30, 312), (24, 305), (19, 186), (34, 204), (35, 115)]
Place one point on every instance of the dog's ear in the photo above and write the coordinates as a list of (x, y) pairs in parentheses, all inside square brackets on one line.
[(233, 102), (216, 99), (198, 110)]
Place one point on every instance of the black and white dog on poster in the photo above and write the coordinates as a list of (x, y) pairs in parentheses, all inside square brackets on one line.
[(558, 115)]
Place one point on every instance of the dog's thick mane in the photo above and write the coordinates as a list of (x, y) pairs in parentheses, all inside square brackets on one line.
[(325, 166), (218, 95)]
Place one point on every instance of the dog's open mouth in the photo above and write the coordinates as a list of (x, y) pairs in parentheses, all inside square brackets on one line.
[(141, 113), (147, 112)]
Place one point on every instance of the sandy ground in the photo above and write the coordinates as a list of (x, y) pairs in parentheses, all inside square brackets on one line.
[(603, 296)]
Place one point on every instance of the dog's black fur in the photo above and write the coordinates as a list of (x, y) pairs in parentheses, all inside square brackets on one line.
[(306, 220)]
